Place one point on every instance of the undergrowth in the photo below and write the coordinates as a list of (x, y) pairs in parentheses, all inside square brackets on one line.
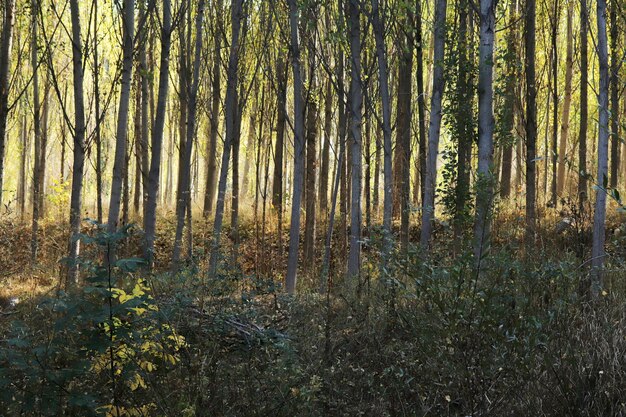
[(427, 338)]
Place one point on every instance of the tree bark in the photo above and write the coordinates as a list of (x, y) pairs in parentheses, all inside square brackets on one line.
[(421, 106), (555, 102), (383, 83), (510, 100), (37, 129), (597, 250), (402, 177), (311, 164), (567, 101), (211, 179), (325, 163), (463, 124), (157, 135), (356, 100), (145, 76), (183, 201), (128, 17), (582, 138), (5, 65), (230, 118), (298, 170), (531, 123), (79, 146), (99, 117), (277, 184), (428, 206), (484, 192), (615, 87)]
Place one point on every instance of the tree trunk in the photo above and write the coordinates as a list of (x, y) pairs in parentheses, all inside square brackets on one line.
[(324, 169), (510, 100), (5, 65), (597, 250), (245, 182), (464, 125), (211, 179), (234, 197), (428, 206), (37, 129), (183, 200), (230, 118), (183, 103), (157, 135), (122, 118), (402, 177), (421, 106), (298, 170), (311, 163), (582, 134), (356, 100), (555, 102), (383, 82), (567, 101), (25, 145), (615, 88), (145, 76), (79, 146), (99, 117), (531, 123), (137, 145), (484, 192), (277, 183)]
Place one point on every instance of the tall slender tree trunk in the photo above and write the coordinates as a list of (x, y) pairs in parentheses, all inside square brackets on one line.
[(234, 197), (311, 163), (145, 76), (484, 193), (555, 102), (37, 129), (421, 106), (510, 100), (298, 170), (157, 134), (356, 100), (79, 146), (464, 124), (252, 124), (128, 17), (367, 154), (183, 102), (279, 147), (615, 89), (567, 101), (211, 179), (230, 118), (428, 206), (137, 145), (6, 43), (531, 123), (25, 145), (582, 134), (325, 163), (403, 139), (183, 201), (599, 229), (343, 175), (99, 117), (383, 83)]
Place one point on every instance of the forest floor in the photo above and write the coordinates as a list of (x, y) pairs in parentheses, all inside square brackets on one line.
[(425, 338)]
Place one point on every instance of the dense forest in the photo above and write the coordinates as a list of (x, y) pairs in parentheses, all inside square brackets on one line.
[(312, 207)]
